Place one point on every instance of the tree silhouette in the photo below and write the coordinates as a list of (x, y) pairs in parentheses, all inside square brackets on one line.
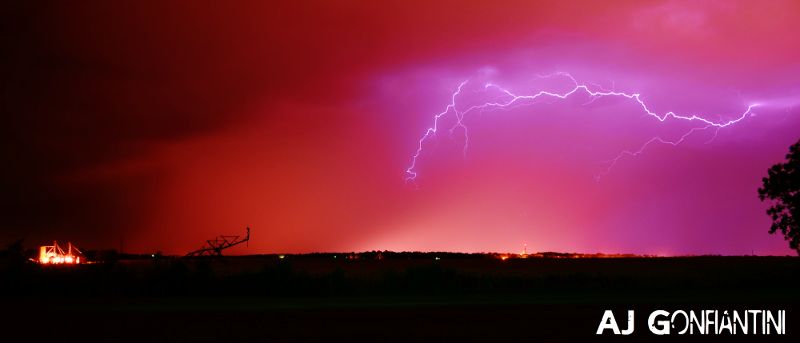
[(782, 188)]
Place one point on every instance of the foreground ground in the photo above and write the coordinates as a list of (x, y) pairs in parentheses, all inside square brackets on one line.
[(379, 298)]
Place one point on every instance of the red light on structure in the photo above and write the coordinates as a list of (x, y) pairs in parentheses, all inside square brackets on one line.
[(53, 254)]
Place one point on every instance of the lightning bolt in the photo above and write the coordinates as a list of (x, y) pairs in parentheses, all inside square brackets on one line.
[(512, 100)]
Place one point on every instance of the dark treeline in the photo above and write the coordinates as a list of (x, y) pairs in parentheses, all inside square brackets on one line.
[(323, 275)]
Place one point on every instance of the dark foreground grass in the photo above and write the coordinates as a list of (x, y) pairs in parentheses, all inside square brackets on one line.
[(312, 299)]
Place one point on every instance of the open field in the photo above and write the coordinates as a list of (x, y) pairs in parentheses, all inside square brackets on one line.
[(314, 297)]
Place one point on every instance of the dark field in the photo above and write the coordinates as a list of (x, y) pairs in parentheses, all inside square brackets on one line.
[(401, 297)]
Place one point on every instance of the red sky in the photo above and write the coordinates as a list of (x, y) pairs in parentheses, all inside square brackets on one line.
[(167, 124)]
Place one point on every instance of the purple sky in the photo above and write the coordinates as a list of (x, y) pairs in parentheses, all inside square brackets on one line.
[(164, 126)]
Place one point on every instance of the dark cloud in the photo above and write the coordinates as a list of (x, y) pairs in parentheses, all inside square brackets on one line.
[(93, 83)]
